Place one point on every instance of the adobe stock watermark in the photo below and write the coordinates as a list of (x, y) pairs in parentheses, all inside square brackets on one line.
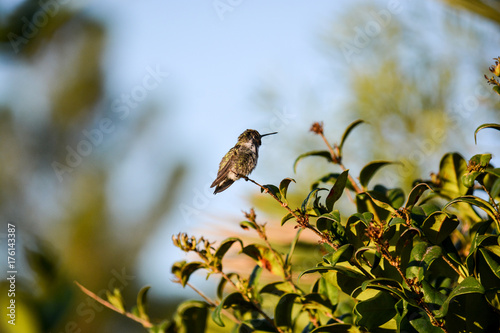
[(366, 33), (201, 198), (121, 106), (222, 7), (40, 18)]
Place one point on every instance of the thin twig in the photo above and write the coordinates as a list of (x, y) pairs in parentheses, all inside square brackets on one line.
[(143, 322), (453, 267)]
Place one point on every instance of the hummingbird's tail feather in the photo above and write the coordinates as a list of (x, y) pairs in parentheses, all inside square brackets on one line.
[(223, 185)]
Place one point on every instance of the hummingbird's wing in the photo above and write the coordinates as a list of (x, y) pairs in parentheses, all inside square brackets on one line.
[(224, 167)]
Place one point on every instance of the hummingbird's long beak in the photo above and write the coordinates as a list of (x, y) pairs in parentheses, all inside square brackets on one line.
[(263, 135)]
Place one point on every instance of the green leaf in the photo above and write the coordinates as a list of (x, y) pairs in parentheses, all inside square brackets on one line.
[(438, 226), (369, 170), (493, 264), (283, 310), (287, 217), (415, 194), (278, 288), (469, 178), (177, 268), (189, 269), (116, 299), (476, 201), (337, 190), (321, 153), (494, 171), (365, 218), (265, 258), (141, 303), (315, 301), (343, 253), (216, 315), (329, 223), (379, 203), (451, 169), (248, 225), (421, 257), (355, 228), (254, 276), (483, 126), (193, 316), (387, 285), (284, 187), (348, 272), (348, 130), (273, 190), (336, 328), (467, 286), (308, 203), (224, 246), (328, 290), (232, 300), (375, 311)]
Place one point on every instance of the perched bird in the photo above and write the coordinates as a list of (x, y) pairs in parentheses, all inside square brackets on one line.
[(240, 161)]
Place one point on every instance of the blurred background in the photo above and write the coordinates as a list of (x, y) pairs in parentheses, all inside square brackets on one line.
[(114, 117)]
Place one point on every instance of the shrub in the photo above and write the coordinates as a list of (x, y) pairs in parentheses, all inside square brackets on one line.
[(428, 261)]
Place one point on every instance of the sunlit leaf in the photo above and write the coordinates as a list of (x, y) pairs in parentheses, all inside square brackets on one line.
[(438, 226), (388, 285), (141, 302), (343, 253), (451, 169), (415, 194), (475, 201), (421, 257), (375, 311), (273, 190), (116, 299), (337, 328), (265, 258)]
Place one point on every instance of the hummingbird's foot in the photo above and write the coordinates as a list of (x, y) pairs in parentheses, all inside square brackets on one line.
[(244, 177)]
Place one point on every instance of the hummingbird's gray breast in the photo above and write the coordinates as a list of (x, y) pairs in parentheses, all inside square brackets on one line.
[(246, 159)]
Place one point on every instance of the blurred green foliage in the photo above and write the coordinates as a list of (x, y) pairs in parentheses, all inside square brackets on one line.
[(65, 227)]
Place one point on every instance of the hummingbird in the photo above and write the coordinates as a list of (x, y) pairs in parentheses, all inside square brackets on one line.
[(239, 161)]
